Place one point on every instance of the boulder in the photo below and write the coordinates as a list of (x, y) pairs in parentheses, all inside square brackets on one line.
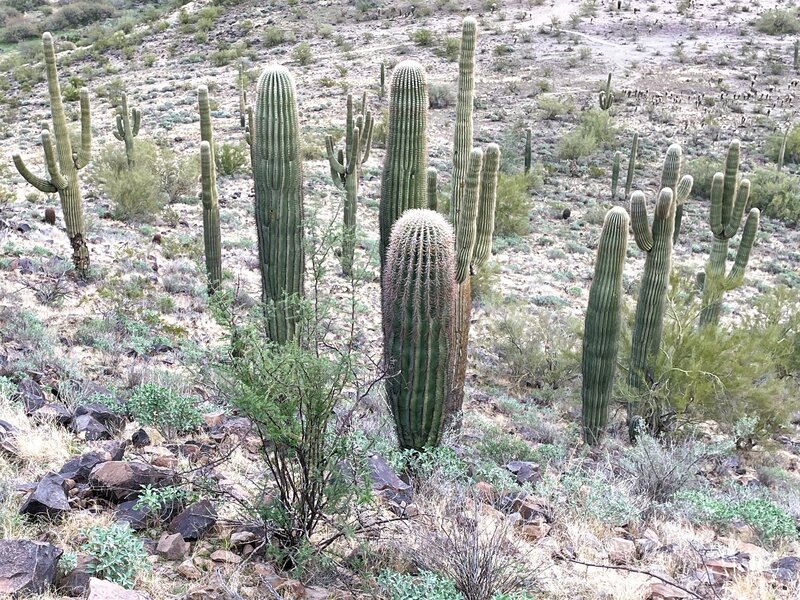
[(137, 518), (48, 498), (195, 520), (80, 467), (90, 428), (386, 482), (524, 471), (101, 413), (620, 551), (76, 582), (31, 395), (53, 412), (225, 556), (8, 442), (100, 589), (26, 566), (119, 480), (786, 569), (172, 546)]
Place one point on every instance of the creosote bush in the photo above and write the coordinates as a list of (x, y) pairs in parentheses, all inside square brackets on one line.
[(778, 21), (164, 409), (514, 203), (776, 194), (594, 131)]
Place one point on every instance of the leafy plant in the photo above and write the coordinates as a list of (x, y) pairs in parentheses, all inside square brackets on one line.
[(514, 203), (154, 500), (120, 555), (776, 194), (164, 409), (230, 158), (425, 586)]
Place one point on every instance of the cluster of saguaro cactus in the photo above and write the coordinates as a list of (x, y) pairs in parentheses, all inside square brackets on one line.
[(615, 174), (729, 197), (606, 96), (419, 292), (346, 170), (602, 325), (631, 165), (61, 162), (404, 180), (128, 122), (212, 238), (277, 171)]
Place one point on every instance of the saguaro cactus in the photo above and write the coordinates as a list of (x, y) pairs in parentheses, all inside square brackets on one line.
[(615, 174), (606, 96), (527, 156), (631, 165), (466, 232), (404, 181), (346, 170), (682, 192), (602, 324), (277, 170), (729, 198), (433, 189), (782, 151), (418, 296), (487, 205), (61, 162), (128, 122), (212, 238), (242, 96)]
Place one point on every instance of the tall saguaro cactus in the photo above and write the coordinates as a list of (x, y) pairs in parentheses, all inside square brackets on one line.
[(487, 205), (242, 96), (729, 197), (433, 191), (418, 296), (631, 165), (615, 174), (527, 154), (212, 238), (404, 180), (346, 170), (602, 324), (128, 122), (277, 170), (61, 162)]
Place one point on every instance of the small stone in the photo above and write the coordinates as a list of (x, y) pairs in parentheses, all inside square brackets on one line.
[(240, 538), (140, 439), (387, 483), (187, 570), (53, 412), (100, 589), (620, 550), (663, 591), (225, 556), (172, 546), (120, 480), (76, 582), (535, 531), (214, 419)]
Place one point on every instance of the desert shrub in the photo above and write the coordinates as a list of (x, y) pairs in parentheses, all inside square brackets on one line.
[(595, 130), (776, 194), (302, 54), (450, 48), (703, 170), (514, 204), (231, 158), (135, 192), (275, 36), (553, 107), (777, 21), (576, 144), (501, 448), (17, 29), (169, 412), (772, 146), (424, 586), (77, 14), (423, 37), (25, 5), (178, 174), (440, 95), (120, 555)]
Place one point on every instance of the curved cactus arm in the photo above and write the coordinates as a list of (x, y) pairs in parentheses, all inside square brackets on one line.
[(683, 191), (137, 121), (433, 189), (84, 155), (467, 227), (119, 132), (639, 222), (606, 96), (58, 180), (486, 205), (736, 275), (737, 212), (631, 164), (731, 180), (337, 168), (715, 214), (366, 138), (41, 184)]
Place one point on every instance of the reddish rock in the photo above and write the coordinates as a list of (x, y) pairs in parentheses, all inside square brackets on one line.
[(225, 556), (662, 591), (121, 480), (620, 551), (100, 589), (172, 546)]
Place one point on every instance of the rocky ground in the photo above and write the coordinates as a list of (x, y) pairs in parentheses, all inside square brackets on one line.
[(72, 350)]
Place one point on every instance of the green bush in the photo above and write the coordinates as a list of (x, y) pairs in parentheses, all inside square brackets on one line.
[(440, 95), (702, 170), (778, 21), (595, 130), (136, 192), (274, 36), (450, 48), (791, 155), (302, 54), (77, 14), (178, 174), (776, 194), (17, 29), (162, 408), (553, 107), (120, 555), (425, 586), (423, 37), (514, 204), (231, 158)]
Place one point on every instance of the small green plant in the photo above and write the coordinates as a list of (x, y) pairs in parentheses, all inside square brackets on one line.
[(275, 36), (776, 194), (302, 54), (553, 107), (425, 586), (423, 37), (154, 500), (514, 203), (231, 158), (164, 409), (120, 555)]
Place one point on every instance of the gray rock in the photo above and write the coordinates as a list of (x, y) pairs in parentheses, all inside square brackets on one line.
[(386, 482), (31, 395), (26, 566), (194, 521), (76, 582), (48, 498), (786, 569)]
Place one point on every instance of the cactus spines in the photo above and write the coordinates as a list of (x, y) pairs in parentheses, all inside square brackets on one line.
[(277, 170), (681, 196), (606, 96), (418, 296), (615, 174), (656, 241), (212, 239), (466, 231), (242, 96), (404, 180), (128, 122), (433, 189), (729, 197), (486, 205), (62, 163), (602, 325), (527, 156), (346, 170), (631, 165)]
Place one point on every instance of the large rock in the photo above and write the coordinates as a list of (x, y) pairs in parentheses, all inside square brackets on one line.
[(99, 589), (76, 582), (195, 521), (80, 467), (96, 421), (786, 569), (172, 546), (386, 482), (120, 480), (31, 395), (8, 443), (26, 566), (90, 428), (53, 412), (524, 471), (48, 498)]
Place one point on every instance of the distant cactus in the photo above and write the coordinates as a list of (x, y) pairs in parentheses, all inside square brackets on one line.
[(346, 170), (729, 197), (606, 96), (796, 58), (404, 180), (602, 325), (62, 163), (383, 80), (212, 238), (631, 165), (615, 174), (418, 295), (487, 205), (527, 151), (277, 170), (242, 80), (128, 122), (782, 152), (433, 189)]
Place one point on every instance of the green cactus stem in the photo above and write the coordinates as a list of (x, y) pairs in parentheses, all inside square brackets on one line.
[(433, 189), (61, 162), (631, 165), (418, 295), (615, 174), (782, 152), (404, 180), (383, 80), (486, 207), (796, 58), (242, 96), (212, 238), (681, 196), (729, 197), (527, 156), (346, 170), (278, 174), (467, 227), (128, 122), (602, 325), (606, 96)]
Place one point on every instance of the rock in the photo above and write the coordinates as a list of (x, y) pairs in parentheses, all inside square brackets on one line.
[(53, 412), (723, 569), (80, 467), (240, 538), (535, 531), (214, 419), (102, 413), (786, 569), (116, 448), (188, 571), (524, 471), (620, 551), (26, 566), (662, 591), (140, 439), (49, 498), (31, 395), (485, 491), (90, 428), (8, 442), (387, 483), (206, 592), (645, 546), (100, 589), (76, 582), (225, 556), (172, 546), (120, 480), (195, 521), (137, 518), (528, 508)]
